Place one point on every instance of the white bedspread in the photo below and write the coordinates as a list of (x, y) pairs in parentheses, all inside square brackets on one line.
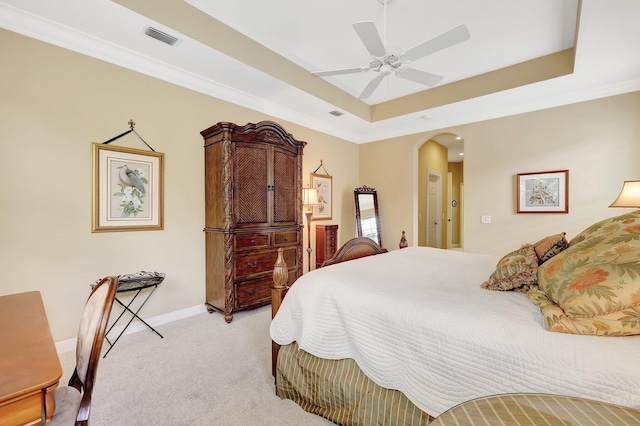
[(418, 321)]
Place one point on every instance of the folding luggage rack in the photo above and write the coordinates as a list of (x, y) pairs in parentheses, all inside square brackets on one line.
[(133, 282)]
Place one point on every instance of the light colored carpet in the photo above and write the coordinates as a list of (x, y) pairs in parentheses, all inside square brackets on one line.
[(203, 372)]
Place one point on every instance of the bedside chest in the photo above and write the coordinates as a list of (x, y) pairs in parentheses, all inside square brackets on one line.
[(326, 243)]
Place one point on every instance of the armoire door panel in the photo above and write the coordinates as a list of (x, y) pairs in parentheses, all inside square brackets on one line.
[(284, 207), (250, 191)]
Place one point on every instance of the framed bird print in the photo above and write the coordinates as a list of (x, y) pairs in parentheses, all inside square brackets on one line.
[(324, 208), (127, 189)]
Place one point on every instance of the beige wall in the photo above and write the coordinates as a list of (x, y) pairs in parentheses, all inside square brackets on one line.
[(388, 167), (597, 141), (53, 104)]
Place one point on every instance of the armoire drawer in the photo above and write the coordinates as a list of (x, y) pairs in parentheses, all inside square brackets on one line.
[(284, 238), (251, 240), (253, 293), (257, 292), (257, 263)]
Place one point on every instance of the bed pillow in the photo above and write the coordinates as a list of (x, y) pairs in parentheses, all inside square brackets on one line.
[(593, 287), (550, 246), (514, 270)]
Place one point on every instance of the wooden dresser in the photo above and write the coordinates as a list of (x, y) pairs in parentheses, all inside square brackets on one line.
[(326, 243), (253, 202)]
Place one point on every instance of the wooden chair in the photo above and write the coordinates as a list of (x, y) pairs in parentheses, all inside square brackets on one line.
[(73, 402)]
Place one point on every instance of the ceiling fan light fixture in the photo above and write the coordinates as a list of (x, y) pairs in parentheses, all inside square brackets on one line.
[(386, 69)]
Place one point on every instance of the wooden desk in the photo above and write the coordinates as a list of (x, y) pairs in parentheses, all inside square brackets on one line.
[(29, 362), (535, 410)]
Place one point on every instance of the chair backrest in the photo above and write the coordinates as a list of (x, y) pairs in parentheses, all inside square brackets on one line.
[(93, 324)]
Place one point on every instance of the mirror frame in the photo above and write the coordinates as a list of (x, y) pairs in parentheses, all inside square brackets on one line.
[(371, 191)]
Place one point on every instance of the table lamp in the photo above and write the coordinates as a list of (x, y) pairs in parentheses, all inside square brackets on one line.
[(629, 195), (309, 199)]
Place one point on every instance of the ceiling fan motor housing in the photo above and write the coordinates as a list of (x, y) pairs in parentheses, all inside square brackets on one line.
[(388, 63), (393, 60)]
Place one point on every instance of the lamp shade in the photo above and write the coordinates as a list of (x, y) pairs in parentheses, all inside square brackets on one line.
[(310, 197), (629, 195)]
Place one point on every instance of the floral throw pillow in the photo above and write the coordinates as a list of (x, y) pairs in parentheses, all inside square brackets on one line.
[(550, 246), (514, 270), (593, 287)]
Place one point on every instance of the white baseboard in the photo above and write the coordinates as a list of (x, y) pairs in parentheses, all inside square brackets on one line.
[(70, 345)]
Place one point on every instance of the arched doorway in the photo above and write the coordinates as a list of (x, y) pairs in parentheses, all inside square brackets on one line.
[(440, 197)]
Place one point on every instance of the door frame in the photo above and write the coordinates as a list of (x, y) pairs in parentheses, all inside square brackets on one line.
[(438, 231), (449, 210)]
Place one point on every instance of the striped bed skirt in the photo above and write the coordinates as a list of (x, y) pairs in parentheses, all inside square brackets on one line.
[(537, 410), (339, 391)]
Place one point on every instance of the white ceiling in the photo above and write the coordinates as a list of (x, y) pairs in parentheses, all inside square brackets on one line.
[(317, 35)]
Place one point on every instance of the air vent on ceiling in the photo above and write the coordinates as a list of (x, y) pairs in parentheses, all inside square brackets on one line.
[(336, 113), (161, 36)]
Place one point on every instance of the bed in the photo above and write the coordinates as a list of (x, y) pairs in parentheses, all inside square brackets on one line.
[(400, 337)]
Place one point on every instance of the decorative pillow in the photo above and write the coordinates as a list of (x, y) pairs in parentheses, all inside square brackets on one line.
[(593, 287), (514, 270), (549, 246)]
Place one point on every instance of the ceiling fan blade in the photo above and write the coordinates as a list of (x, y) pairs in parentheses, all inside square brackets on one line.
[(418, 76), (369, 35), (340, 72), (372, 86), (446, 39)]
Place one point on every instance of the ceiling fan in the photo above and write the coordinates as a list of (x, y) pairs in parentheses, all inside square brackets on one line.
[(384, 60)]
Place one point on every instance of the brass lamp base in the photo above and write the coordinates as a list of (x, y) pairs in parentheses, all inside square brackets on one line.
[(309, 250)]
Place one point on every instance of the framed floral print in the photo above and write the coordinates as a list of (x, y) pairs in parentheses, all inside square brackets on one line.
[(322, 183), (127, 189), (543, 192)]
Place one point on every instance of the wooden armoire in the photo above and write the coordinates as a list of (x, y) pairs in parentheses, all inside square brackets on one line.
[(253, 202)]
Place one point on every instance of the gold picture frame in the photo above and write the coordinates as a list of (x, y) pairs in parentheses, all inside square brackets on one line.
[(128, 189), (324, 185)]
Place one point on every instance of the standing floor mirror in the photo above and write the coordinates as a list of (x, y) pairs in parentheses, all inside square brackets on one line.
[(367, 216)]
